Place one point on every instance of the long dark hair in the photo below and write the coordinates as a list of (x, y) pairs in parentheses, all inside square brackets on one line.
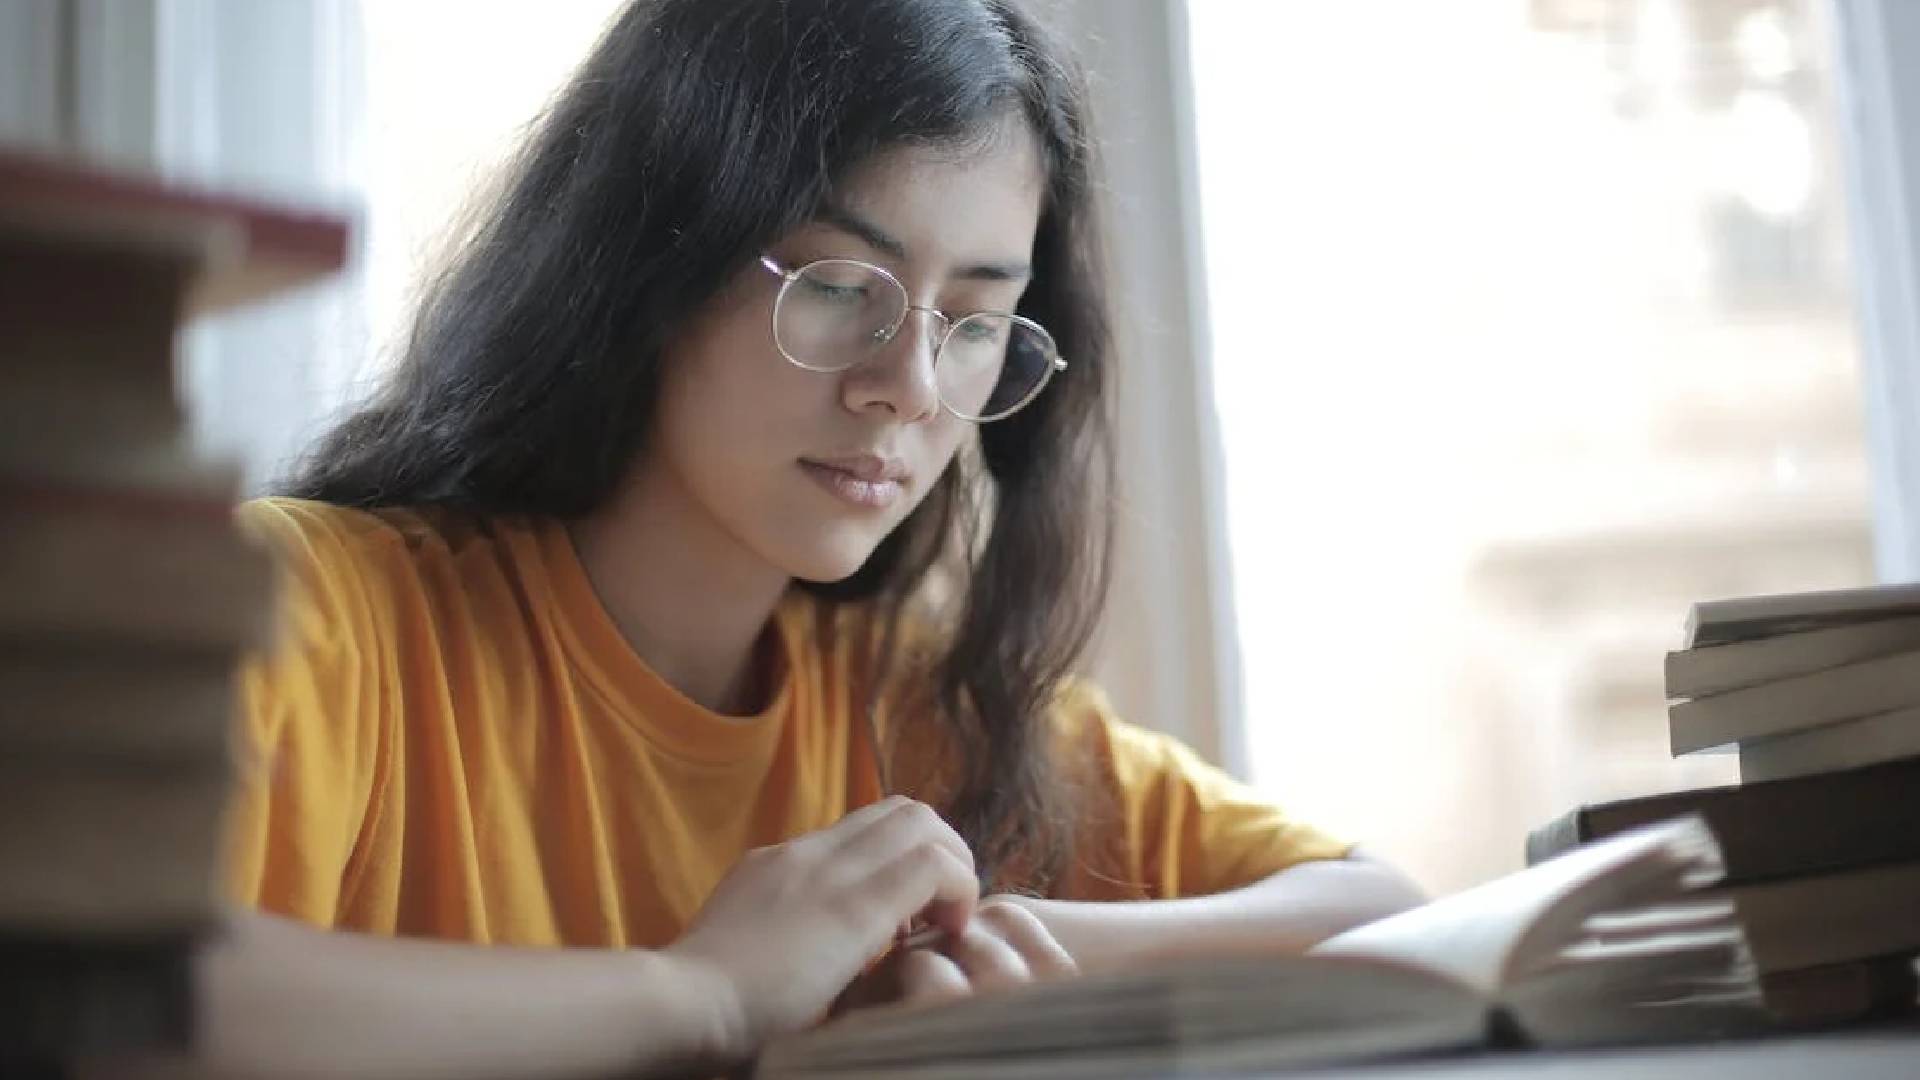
[(695, 134)]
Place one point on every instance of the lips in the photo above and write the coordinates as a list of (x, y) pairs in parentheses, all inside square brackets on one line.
[(872, 468), (866, 481)]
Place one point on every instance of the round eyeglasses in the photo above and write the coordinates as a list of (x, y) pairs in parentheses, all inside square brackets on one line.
[(833, 314)]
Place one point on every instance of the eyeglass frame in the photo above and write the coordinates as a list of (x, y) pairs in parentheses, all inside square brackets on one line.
[(948, 323)]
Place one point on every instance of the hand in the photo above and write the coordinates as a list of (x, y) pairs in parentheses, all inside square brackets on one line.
[(790, 925), (1004, 945)]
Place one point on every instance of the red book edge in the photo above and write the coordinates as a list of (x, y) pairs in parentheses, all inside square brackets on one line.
[(108, 500), (248, 248)]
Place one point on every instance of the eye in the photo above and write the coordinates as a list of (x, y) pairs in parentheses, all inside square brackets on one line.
[(831, 293), (981, 331)]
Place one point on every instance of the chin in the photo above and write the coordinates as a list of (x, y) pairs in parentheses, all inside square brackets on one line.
[(827, 563)]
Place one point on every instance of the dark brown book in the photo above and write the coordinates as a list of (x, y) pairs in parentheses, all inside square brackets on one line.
[(1831, 918), (106, 995), (157, 706), (1878, 988), (105, 850), (1779, 828), (91, 566), (87, 377)]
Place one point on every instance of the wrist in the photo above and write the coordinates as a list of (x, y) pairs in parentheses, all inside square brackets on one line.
[(712, 1010), (1071, 923), (1104, 936)]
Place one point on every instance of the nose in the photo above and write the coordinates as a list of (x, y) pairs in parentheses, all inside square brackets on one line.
[(898, 377)]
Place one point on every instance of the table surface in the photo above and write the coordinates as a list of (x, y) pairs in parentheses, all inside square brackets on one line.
[(1889, 1052)]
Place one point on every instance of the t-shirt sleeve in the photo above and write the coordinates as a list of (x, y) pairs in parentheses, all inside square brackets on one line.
[(311, 738), (1159, 822)]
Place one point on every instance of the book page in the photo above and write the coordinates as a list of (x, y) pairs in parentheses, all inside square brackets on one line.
[(1686, 975), (1251, 1011), (1495, 933)]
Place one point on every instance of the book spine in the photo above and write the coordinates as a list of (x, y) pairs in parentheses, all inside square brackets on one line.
[(1784, 828), (1557, 837)]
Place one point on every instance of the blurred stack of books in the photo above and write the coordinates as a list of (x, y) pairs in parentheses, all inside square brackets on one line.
[(1819, 693), (126, 595)]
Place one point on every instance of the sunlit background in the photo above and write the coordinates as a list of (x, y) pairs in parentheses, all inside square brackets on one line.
[(1531, 325)]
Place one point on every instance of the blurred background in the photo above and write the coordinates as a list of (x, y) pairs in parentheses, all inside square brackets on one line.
[(1465, 344)]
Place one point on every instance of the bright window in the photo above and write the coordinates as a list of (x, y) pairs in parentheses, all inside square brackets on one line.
[(1531, 325), (451, 87)]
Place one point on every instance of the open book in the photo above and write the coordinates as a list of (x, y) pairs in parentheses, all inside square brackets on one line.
[(1601, 945)]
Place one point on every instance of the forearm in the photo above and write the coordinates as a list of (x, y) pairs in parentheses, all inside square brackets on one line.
[(1291, 911), (277, 998)]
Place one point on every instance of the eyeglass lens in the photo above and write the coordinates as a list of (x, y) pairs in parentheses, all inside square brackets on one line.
[(836, 313)]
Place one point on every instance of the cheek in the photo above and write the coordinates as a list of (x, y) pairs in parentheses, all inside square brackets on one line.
[(947, 438), (732, 393)]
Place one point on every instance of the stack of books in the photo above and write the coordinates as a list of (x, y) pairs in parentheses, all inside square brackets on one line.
[(1803, 683), (1819, 693), (126, 595)]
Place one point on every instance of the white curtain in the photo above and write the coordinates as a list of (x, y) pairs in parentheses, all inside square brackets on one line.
[(1878, 72), (267, 98), (31, 112), (1167, 654)]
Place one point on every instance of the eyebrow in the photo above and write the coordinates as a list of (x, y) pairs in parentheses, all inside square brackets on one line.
[(880, 240)]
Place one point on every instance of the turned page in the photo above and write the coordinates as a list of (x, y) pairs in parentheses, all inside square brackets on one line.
[(1492, 934)]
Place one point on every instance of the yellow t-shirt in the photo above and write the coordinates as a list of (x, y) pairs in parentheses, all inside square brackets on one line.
[(451, 739)]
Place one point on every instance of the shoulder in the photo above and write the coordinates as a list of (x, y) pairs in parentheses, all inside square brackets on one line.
[(1085, 725), (1141, 767), (347, 541), (358, 568), (328, 533), (322, 552)]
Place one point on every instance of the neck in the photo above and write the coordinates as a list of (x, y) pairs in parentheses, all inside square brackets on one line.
[(689, 597)]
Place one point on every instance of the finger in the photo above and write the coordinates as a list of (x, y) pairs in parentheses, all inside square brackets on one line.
[(928, 882), (907, 824), (852, 823), (989, 962), (1046, 958), (857, 819), (927, 977)]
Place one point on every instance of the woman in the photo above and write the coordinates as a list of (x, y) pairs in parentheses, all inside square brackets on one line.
[(703, 593)]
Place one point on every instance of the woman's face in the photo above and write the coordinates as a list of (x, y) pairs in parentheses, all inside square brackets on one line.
[(809, 471)]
